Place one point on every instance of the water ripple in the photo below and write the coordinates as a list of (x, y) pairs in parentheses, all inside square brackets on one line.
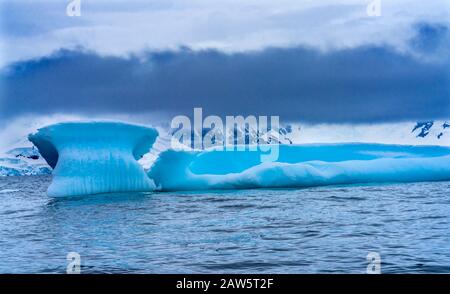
[(312, 230)]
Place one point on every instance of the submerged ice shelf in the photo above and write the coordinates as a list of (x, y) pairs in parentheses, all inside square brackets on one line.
[(101, 157), (95, 157)]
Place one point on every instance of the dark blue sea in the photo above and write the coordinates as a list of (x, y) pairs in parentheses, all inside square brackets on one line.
[(314, 230)]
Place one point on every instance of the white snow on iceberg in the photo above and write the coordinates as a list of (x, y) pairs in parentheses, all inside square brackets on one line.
[(300, 166), (95, 157)]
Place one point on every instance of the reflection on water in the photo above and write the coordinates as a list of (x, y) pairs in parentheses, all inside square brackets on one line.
[(323, 229)]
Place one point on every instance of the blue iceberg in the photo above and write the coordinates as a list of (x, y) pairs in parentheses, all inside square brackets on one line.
[(101, 157), (95, 157), (300, 166)]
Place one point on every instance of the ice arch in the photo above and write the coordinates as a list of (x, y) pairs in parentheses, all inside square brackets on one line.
[(95, 157)]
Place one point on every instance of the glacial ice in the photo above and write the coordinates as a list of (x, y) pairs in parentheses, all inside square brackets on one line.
[(101, 157), (300, 166), (95, 157)]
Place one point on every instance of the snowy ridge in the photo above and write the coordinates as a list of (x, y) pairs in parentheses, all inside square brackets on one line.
[(23, 161)]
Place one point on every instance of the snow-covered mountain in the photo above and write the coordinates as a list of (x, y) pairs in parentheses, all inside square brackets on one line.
[(431, 129), (23, 159)]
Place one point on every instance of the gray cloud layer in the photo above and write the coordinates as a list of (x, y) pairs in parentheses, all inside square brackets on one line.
[(365, 84)]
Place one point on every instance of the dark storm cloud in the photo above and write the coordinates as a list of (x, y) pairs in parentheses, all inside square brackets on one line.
[(364, 84), (431, 37)]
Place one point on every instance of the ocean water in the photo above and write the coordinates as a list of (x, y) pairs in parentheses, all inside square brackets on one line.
[(314, 230)]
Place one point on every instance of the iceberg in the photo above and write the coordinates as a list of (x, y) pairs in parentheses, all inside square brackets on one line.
[(95, 157), (102, 157), (300, 166)]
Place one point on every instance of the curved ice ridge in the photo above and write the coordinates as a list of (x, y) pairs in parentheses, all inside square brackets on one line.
[(95, 157), (300, 166)]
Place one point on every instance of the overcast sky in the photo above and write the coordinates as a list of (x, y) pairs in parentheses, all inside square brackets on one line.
[(320, 61)]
